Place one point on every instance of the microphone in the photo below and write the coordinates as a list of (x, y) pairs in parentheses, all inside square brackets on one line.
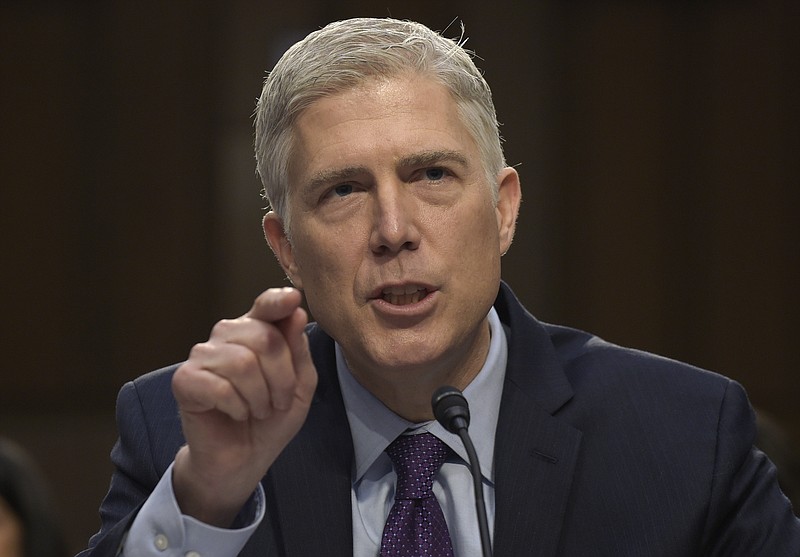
[(450, 408), (452, 411)]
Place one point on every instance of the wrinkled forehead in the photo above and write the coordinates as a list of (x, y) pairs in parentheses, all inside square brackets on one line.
[(374, 86), (408, 101)]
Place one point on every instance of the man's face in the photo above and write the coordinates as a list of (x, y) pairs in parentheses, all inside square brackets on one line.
[(395, 239)]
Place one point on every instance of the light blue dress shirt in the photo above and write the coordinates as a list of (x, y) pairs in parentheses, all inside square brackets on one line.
[(160, 530), (374, 426)]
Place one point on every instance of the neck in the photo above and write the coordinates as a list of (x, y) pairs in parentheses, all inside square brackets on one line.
[(407, 391)]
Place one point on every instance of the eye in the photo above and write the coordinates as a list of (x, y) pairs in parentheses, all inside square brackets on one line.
[(342, 190), (435, 174)]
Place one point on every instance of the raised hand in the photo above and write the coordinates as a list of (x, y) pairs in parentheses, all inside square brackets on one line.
[(242, 396)]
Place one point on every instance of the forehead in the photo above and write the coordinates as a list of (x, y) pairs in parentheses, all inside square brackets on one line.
[(379, 118)]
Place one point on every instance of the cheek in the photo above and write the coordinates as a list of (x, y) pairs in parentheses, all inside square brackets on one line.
[(327, 264), (475, 232)]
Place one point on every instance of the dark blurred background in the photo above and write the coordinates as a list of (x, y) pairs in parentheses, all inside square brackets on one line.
[(657, 142)]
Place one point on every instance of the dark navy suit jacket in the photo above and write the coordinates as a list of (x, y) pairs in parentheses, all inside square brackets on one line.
[(600, 450)]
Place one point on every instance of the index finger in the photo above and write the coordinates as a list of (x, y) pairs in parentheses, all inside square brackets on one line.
[(275, 304)]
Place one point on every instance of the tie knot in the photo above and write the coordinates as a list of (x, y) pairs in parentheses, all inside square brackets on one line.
[(416, 459)]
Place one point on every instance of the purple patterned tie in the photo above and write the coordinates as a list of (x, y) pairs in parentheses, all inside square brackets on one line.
[(416, 526)]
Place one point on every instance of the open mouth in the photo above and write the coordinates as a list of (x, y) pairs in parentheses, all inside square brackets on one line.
[(404, 295)]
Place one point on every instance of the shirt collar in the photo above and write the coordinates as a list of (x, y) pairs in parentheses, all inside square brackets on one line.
[(374, 426)]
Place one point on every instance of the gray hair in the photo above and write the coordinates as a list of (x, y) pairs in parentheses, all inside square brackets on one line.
[(344, 54)]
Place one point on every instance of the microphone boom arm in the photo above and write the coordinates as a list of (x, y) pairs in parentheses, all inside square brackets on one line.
[(452, 411)]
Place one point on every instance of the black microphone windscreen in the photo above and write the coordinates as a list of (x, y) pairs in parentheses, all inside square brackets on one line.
[(449, 405)]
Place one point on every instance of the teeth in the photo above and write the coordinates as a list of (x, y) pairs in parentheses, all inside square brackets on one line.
[(403, 295), (398, 290)]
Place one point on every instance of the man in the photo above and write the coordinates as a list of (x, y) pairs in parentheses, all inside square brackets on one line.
[(378, 147)]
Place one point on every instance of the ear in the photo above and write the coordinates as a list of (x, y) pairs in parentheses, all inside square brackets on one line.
[(508, 201), (281, 247)]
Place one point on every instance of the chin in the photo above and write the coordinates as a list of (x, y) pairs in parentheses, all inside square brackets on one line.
[(411, 358)]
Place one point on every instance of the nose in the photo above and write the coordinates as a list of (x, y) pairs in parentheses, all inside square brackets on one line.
[(395, 219)]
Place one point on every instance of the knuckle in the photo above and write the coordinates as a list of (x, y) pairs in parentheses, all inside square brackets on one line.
[(223, 327), (201, 350), (241, 360), (182, 378), (269, 340), (223, 391)]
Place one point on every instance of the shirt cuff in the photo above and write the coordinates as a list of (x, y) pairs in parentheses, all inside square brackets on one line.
[(160, 530)]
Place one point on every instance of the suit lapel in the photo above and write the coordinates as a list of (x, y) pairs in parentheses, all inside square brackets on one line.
[(310, 483), (536, 456), (535, 452), (308, 489)]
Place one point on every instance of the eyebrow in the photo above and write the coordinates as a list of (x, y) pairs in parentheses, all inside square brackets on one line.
[(426, 158), (422, 158), (337, 175)]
